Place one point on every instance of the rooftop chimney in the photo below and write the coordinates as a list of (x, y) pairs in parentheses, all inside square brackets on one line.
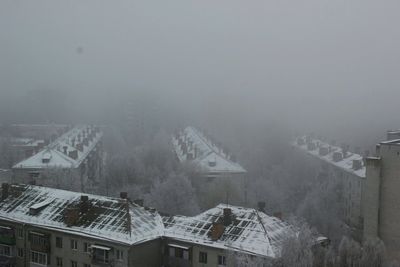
[(123, 195), (79, 147), (65, 150), (71, 216), (357, 164), (300, 141), (337, 156), (227, 219), (84, 204), (73, 154), (278, 215), (217, 231), (261, 206), (4, 190)]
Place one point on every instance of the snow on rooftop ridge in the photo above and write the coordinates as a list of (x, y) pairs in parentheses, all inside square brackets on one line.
[(111, 221), (250, 231), (191, 144), (67, 151), (348, 161)]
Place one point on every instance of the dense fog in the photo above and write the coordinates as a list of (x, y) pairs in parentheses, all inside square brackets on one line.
[(251, 74)]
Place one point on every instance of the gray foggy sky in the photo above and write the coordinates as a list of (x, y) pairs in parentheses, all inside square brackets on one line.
[(303, 62)]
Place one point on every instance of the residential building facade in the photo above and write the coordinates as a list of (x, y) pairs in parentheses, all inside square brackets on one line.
[(382, 201), (73, 161), (339, 165), (41, 226), (49, 227)]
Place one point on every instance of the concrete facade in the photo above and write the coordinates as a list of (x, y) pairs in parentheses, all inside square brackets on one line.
[(334, 164), (382, 209)]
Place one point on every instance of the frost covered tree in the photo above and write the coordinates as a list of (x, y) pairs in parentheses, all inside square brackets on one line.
[(174, 195), (238, 259), (349, 252), (297, 248), (373, 253)]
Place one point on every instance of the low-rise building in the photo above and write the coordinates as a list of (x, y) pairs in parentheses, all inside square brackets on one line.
[(343, 166), (215, 173), (42, 226), (73, 161), (210, 238), (211, 161)]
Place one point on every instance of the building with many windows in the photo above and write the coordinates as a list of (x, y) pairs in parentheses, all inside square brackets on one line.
[(212, 237), (73, 161), (382, 202), (339, 165), (42, 226), (212, 162)]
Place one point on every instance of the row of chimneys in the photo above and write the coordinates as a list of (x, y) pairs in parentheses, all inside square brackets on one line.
[(218, 227), (87, 138), (337, 155), (71, 215)]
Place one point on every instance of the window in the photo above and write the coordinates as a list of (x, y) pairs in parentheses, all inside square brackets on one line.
[(120, 255), (74, 264), (221, 260), (101, 255), (20, 252), (74, 244), (39, 258), (86, 265), (85, 247), (39, 240), (178, 253), (20, 233), (202, 257), (5, 250), (59, 242), (59, 262)]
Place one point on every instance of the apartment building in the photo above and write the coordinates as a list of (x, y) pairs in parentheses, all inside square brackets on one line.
[(213, 237), (215, 173), (338, 164), (211, 161), (382, 202), (73, 161), (42, 226)]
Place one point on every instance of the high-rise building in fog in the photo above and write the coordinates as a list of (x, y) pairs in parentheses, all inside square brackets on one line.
[(382, 198)]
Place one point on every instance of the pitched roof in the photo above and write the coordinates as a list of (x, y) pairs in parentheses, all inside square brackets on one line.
[(345, 161), (251, 231), (104, 217), (57, 153), (205, 153)]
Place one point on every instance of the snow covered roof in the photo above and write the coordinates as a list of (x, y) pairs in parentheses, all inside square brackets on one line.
[(67, 151), (250, 231), (26, 142), (191, 144), (104, 218), (350, 162)]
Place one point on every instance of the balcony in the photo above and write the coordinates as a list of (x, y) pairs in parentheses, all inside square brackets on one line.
[(39, 242), (7, 236), (6, 261)]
